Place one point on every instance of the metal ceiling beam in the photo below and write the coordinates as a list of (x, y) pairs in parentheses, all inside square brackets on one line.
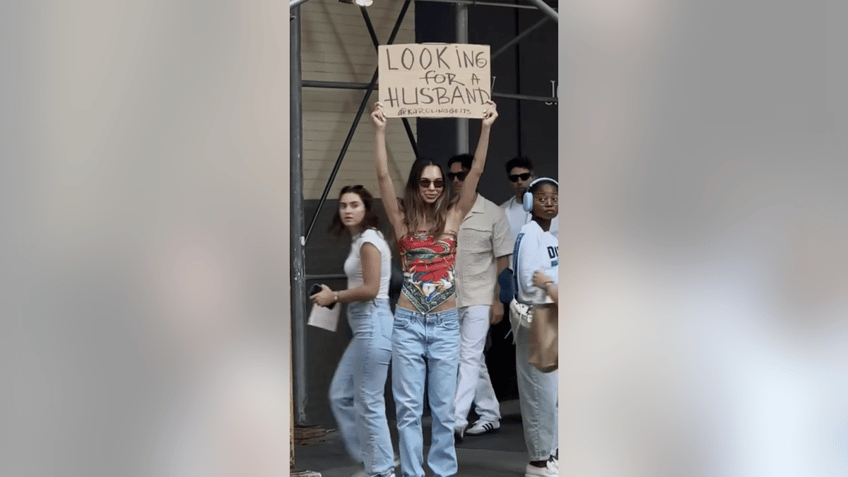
[(544, 7), (482, 4), (294, 3), (519, 37), (525, 97)]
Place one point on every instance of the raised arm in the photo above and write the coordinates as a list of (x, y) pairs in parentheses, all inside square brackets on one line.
[(469, 186), (381, 162)]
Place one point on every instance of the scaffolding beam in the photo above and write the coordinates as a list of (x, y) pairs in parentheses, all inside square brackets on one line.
[(461, 37), (368, 90), (296, 3), (524, 97), (376, 43), (298, 255), (519, 37), (546, 9), (482, 4)]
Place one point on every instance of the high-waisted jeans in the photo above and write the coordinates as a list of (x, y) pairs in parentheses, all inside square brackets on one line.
[(425, 347), (358, 387)]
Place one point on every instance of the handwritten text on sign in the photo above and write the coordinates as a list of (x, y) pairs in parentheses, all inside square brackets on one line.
[(434, 80)]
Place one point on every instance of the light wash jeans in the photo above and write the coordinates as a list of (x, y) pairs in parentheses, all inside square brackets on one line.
[(425, 347), (358, 387), (473, 384), (538, 394)]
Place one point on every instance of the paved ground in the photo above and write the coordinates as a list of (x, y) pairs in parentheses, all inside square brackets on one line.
[(501, 454)]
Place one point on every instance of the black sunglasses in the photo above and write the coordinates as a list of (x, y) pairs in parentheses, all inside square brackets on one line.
[(457, 175), (425, 183), (515, 177)]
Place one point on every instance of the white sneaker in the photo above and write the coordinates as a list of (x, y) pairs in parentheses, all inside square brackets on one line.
[(549, 470), (483, 427)]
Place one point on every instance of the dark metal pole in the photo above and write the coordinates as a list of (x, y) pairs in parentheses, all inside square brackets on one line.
[(298, 255), (333, 84), (544, 7), (524, 97), (481, 4), (370, 27), (462, 37), (519, 37)]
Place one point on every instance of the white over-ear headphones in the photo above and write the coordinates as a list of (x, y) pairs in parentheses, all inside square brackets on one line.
[(527, 205)]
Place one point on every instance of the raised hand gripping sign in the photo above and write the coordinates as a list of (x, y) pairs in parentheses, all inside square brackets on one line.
[(434, 80)]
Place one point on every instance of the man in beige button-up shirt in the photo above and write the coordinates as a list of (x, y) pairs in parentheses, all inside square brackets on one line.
[(483, 248)]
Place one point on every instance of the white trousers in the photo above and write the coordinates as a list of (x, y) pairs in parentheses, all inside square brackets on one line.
[(473, 383)]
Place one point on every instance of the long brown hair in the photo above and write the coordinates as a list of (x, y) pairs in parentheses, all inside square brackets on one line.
[(371, 220), (415, 210)]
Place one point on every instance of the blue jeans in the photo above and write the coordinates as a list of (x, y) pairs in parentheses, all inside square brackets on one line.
[(425, 347), (538, 394), (358, 387)]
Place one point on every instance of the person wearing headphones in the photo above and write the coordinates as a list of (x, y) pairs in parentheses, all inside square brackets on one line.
[(536, 249), (519, 171)]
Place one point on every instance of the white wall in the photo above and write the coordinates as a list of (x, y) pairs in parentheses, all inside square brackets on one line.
[(144, 200)]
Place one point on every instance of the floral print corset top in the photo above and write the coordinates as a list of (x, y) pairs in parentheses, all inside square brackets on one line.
[(428, 269)]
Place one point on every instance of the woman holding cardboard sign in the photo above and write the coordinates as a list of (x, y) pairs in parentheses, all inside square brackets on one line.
[(357, 392), (425, 340)]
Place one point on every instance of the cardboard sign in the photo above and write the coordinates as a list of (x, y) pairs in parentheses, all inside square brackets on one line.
[(434, 80)]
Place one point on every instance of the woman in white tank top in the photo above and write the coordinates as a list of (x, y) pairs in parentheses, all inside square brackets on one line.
[(357, 390)]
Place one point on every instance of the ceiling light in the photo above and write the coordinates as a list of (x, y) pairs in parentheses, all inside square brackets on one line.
[(361, 3)]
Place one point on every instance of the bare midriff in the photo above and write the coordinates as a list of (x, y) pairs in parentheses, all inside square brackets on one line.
[(404, 303)]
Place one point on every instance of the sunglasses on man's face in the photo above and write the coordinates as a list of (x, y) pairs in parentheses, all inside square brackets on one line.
[(515, 177), (457, 175), (425, 183)]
